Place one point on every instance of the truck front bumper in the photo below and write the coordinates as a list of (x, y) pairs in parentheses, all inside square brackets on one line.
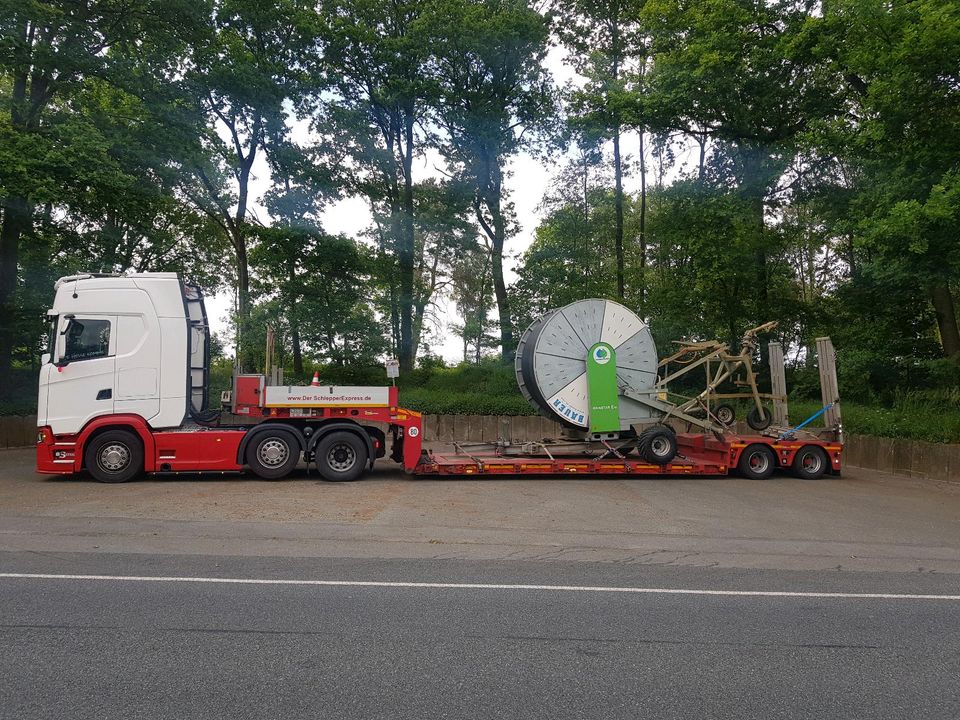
[(55, 456)]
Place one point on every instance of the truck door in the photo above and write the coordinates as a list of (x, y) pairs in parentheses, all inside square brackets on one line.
[(82, 377), (138, 355)]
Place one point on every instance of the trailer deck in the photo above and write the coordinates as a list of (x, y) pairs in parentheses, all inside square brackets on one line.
[(698, 455)]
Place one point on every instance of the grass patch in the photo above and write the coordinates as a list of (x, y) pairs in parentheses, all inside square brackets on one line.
[(923, 415)]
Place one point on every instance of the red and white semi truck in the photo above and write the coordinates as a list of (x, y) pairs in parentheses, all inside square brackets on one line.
[(124, 390)]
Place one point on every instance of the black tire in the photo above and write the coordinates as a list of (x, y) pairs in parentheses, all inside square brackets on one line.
[(757, 422), (114, 456), (725, 414), (273, 454), (757, 462), (341, 456), (657, 445), (810, 463)]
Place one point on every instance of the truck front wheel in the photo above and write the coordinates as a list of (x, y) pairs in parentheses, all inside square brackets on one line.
[(114, 456), (273, 455), (341, 456)]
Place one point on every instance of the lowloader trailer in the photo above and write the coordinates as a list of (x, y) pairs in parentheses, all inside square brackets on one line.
[(124, 390)]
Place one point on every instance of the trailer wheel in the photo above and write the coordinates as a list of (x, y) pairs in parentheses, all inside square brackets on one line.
[(114, 456), (810, 463), (757, 462), (757, 421), (273, 455), (658, 445), (725, 414), (341, 456)]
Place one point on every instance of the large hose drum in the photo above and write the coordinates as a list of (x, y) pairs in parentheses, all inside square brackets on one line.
[(551, 361)]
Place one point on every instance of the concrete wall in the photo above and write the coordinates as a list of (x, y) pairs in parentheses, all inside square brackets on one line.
[(18, 431), (487, 428), (913, 458)]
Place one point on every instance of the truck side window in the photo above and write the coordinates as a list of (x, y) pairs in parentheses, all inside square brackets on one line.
[(87, 339)]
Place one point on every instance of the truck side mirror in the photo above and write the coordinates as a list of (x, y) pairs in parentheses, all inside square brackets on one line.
[(45, 358)]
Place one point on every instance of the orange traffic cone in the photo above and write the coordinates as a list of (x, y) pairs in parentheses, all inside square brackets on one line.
[(316, 380)]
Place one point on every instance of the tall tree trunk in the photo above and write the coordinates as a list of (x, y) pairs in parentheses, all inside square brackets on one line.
[(239, 232), (294, 321), (489, 194), (405, 251), (16, 221), (946, 313), (297, 348), (500, 288), (618, 208), (701, 165), (586, 188), (243, 280), (643, 221)]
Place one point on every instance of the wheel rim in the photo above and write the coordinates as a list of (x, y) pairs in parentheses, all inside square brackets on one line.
[(759, 462), (725, 415), (273, 452), (812, 462), (341, 457), (660, 446), (113, 457)]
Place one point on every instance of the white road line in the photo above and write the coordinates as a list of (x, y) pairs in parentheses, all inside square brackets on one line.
[(482, 586)]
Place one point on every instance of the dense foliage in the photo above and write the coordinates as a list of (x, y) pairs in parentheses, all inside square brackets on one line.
[(797, 161)]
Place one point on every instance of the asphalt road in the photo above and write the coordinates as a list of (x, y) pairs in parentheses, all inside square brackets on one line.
[(575, 644)]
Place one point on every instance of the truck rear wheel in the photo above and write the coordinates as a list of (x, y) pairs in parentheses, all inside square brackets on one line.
[(273, 454), (757, 462), (341, 456), (114, 456), (810, 463)]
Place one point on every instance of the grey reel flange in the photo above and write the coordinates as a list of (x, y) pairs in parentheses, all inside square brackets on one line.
[(551, 365)]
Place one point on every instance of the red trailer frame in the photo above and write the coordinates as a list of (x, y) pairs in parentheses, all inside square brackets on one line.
[(698, 454)]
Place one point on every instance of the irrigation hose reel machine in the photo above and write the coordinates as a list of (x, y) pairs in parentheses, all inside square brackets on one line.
[(593, 366)]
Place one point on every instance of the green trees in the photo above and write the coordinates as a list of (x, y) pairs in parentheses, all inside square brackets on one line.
[(609, 48), (806, 157), (493, 98), (901, 139), (77, 81), (372, 98)]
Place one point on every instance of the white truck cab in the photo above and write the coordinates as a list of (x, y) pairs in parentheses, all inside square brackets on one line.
[(135, 344)]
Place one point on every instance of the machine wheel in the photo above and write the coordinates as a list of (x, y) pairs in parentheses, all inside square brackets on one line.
[(757, 462), (273, 454), (658, 445), (725, 414), (758, 422), (115, 456), (341, 456), (810, 463)]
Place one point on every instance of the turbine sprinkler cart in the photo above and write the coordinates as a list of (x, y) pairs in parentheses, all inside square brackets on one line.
[(124, 389)]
